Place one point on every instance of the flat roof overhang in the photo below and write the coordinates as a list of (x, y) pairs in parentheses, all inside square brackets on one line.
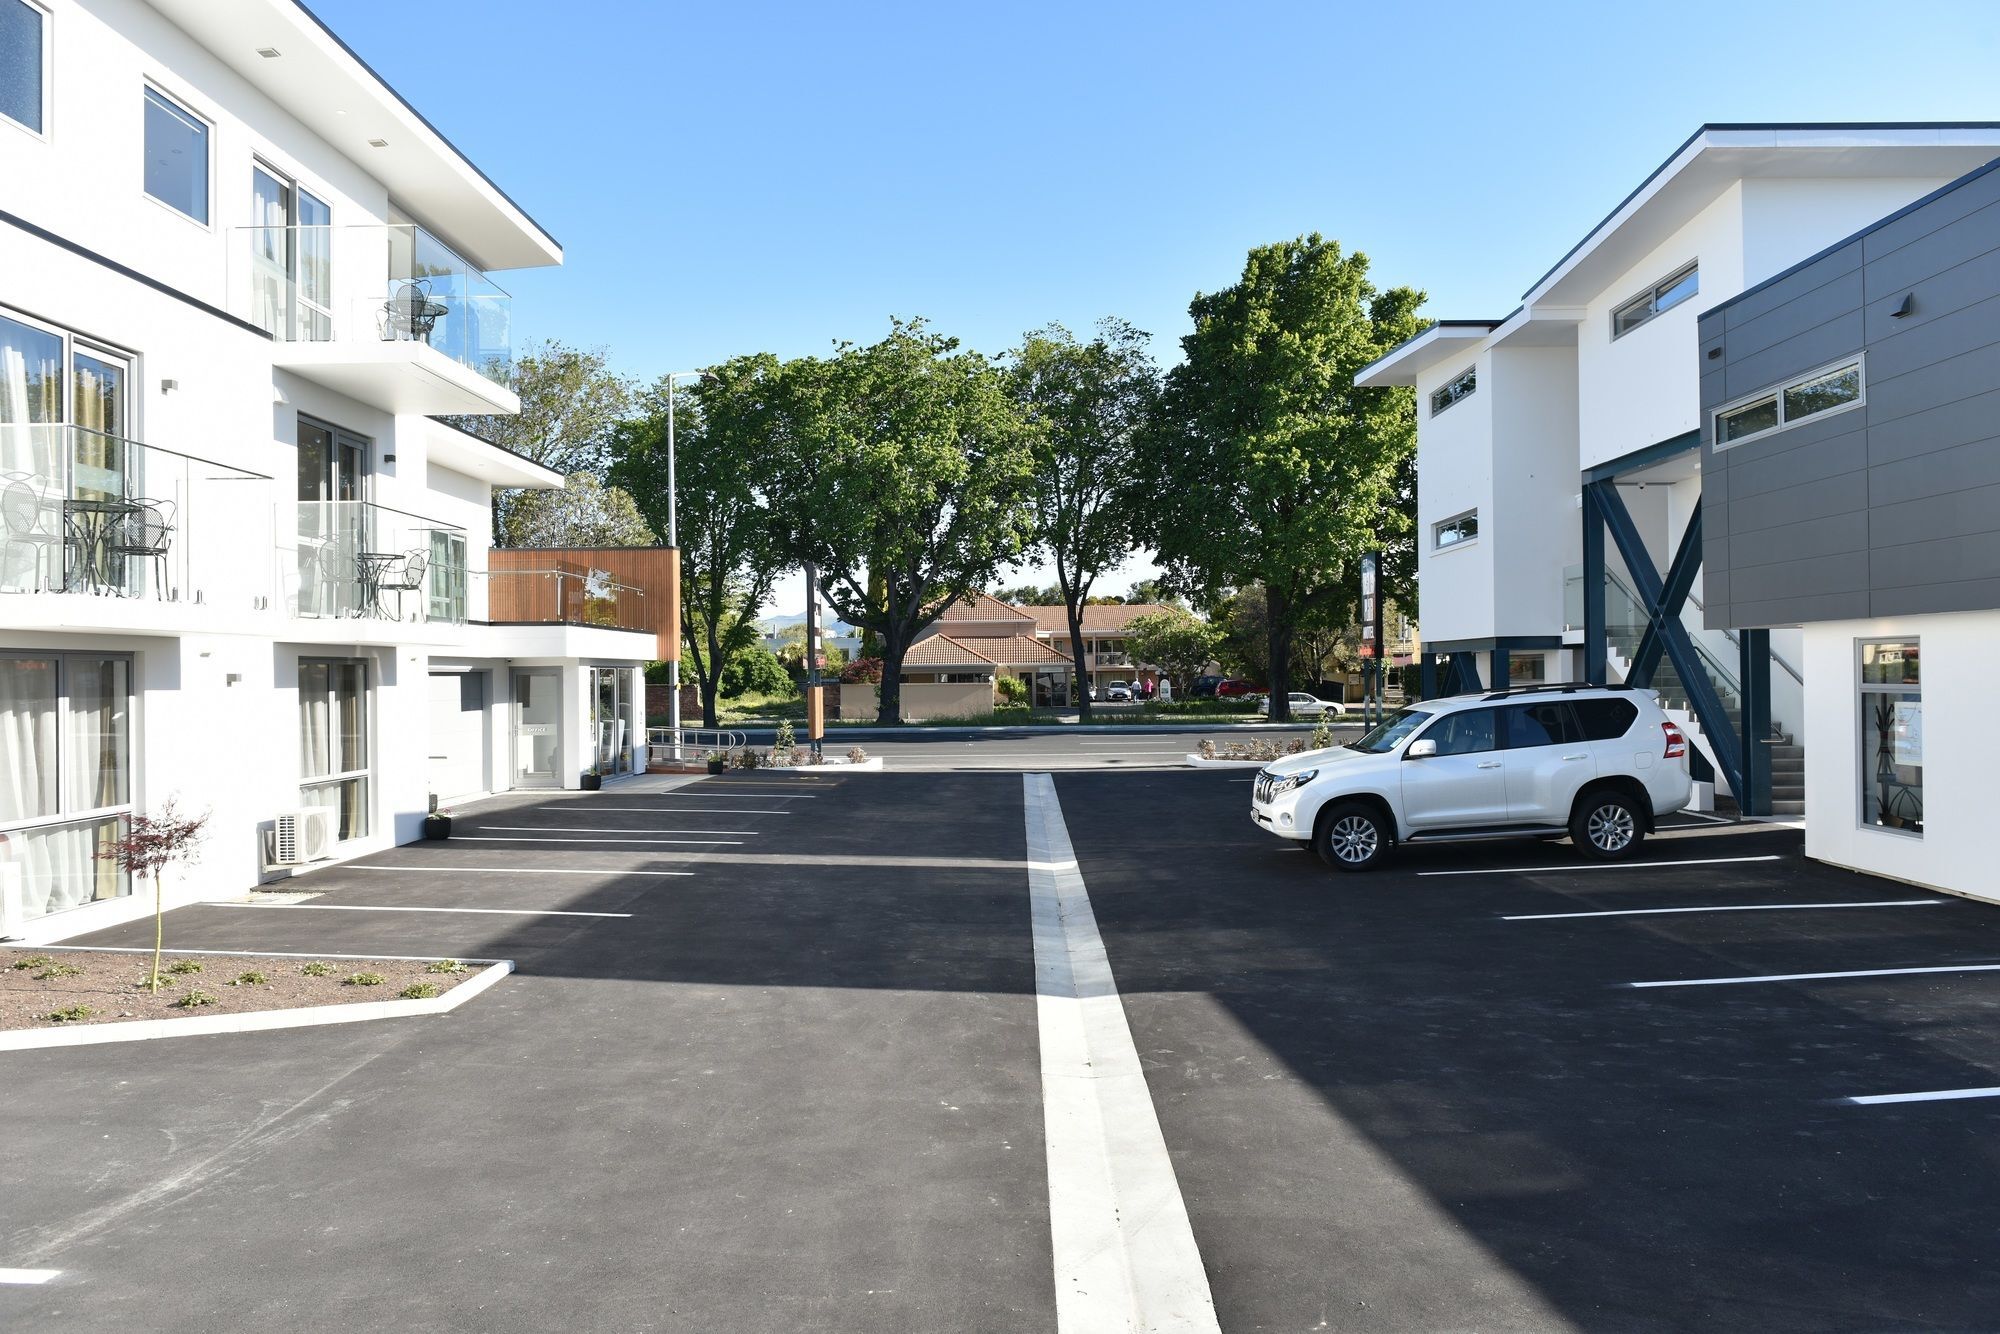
[(332, 91), (402, 377)]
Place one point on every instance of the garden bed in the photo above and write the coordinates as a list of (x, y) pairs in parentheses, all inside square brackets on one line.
[(107, 987)]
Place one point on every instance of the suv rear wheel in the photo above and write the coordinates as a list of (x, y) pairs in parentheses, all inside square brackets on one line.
[(1353, 836), (1607, 825)]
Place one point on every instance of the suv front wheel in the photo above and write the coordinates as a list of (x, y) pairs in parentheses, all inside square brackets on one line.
[(1607, 825), (1353, 836)]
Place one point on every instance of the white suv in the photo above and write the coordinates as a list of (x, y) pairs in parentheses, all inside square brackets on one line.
[(1597, 763)]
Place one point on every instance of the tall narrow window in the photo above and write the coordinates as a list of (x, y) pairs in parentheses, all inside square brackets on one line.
[(333, 742), (176, 157), (24, 46), (291, 253), (1892, 735)]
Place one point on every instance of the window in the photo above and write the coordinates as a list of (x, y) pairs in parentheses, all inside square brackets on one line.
[(65, 780), (1543, 723), (1892, 735), (1460, 386), (447, 578), (291, 252), (24, 63), (333, 741), (1828, 389), (176, 157), (1664, 297), (1526, 668), (1465, 733), (1455, 531), (1605, 719)]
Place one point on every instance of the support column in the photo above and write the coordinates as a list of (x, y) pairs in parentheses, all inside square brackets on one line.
[(1754, 675), (1596, 643)]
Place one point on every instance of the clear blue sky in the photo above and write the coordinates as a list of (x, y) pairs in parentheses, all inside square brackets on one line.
[(740, 177)]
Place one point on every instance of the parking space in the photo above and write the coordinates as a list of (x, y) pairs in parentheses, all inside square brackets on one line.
[(786, 1083), (1416, 1100)]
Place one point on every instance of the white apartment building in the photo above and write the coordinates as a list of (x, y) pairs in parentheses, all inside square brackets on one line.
[(241, 565), (1560, 447)]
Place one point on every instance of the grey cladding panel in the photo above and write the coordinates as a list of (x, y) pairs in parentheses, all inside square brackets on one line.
[(1893, 507)]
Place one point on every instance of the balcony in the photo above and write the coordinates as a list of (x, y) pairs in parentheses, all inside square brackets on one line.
[(430, 335), (612, 588), (124, 534), (349, 559)]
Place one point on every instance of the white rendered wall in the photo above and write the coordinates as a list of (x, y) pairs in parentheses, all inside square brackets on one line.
[(1535, 527), (1455, 474), (1961, 737)]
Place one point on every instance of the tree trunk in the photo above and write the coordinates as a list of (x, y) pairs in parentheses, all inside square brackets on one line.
[(1082, 671), (889, 705), (1279, 641), (709, 673)]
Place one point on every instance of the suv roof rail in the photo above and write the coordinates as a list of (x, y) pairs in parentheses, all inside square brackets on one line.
[(1557, 688)]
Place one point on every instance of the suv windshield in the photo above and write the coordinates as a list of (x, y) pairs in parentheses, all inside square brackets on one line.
[(1389, 733)]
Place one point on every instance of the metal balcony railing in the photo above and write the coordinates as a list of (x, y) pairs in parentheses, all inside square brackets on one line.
[(384, 283), (84, 512), (352, 558)]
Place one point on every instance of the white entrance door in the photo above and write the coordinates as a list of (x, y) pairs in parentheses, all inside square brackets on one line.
[(537, 727), (458, 734)]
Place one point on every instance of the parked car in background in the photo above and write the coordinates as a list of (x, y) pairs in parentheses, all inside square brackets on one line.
[(1204, 687), (1118, 692), (1598, 763), (1304, 705), (1235, 687)]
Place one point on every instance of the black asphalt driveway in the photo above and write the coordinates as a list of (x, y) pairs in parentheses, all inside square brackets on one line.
[(795, 1085)]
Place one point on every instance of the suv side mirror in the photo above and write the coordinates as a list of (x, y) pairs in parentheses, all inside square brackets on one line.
[(1421, 750)]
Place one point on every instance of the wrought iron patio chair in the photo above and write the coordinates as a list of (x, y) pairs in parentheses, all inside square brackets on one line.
[(147, 534), (405, 576), (411, 313), (25, 526)]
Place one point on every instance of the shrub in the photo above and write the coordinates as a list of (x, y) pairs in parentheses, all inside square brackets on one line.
[(746, 758), (194, 1000), (862, 671), (786, 739), (363, 980), (444, 966), (58, 970), (250, 979), (33, 961), (1323, 734), (1207, 749), (184, 967), (73, 1014), (856, 755), (418, 991), (1011, 690), (317, 970)]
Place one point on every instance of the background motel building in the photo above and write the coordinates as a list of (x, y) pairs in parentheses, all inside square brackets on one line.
[(1764, 391), (240, 563)]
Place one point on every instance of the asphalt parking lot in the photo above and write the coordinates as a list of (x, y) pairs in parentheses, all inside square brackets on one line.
[(794, 1072)]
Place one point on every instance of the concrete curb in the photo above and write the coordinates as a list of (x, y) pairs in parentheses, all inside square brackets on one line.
[(1198, 762), (1063, 729), (304, 1016)]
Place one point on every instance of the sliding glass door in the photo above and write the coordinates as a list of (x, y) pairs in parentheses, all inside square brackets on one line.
[(333, 742), (65, 780)]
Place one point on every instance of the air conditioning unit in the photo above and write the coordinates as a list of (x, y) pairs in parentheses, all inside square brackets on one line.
[(303, 836)]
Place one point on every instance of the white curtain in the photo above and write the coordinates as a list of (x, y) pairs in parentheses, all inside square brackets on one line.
[(44, 870), (27, 738)]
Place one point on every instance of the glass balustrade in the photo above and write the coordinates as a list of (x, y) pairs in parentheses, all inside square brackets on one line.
[(560, 597), (386, 283), (351, 558), (82, 512)]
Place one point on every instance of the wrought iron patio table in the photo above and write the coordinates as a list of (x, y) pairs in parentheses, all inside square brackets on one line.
[(91, 527)]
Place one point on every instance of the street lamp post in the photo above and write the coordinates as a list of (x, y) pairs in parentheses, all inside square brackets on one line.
[(674, 542)]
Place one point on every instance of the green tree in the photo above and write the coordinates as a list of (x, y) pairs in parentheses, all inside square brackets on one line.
[(904, 460), (754, 667), (728, 558), (1029, 595), (571, 400), (1154, 592), (1275, 468), (1088, 405), (1178, 642), (584, 513)]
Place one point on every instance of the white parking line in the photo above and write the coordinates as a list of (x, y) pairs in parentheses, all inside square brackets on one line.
[(1818, 977), (1727, 907), (605, 842), (1941, 1095), (667, 810), (27, 1276), (502, 870), (1606, 866), (366, 907), (581, 829), (1125, 1255), (774, 796)]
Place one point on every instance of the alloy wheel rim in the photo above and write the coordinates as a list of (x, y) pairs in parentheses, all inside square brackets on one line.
[(1611, 828), (1354, 839)]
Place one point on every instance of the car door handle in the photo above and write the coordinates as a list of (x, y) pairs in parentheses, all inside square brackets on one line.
[(1576, 757), (1489, 764)]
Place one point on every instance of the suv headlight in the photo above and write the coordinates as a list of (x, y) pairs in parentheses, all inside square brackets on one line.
[(1284, 783)]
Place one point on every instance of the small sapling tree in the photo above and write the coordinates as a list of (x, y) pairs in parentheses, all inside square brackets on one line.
[(149, 845)]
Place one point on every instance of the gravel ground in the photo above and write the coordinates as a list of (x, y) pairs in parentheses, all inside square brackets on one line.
[(111, 986)]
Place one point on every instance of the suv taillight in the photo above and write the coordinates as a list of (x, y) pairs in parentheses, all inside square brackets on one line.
[(1677, 744)]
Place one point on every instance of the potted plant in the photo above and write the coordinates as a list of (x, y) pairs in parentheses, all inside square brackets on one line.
[(437, 824), (592, 779), (716, 764)]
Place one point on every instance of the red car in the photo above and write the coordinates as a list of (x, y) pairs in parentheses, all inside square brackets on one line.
[(1236, 685)]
